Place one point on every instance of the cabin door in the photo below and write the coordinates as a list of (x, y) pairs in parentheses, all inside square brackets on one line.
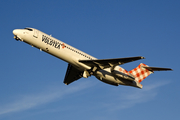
[(36, 33)]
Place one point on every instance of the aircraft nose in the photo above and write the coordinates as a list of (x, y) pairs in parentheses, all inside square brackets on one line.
[(15, 32)]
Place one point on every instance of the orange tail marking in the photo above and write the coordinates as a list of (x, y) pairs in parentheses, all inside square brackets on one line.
[(140, 73)]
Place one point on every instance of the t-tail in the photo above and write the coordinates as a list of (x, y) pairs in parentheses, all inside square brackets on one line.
[(142, 71)]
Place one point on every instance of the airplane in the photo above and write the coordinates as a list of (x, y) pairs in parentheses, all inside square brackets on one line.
[(81, 64)]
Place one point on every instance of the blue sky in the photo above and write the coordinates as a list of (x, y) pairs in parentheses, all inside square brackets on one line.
[(31, 81)]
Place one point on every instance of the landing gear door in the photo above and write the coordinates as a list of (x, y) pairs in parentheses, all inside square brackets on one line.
[(36, 33)]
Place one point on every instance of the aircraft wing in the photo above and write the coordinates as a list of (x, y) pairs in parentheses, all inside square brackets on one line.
[(72, 74), (106, 63)]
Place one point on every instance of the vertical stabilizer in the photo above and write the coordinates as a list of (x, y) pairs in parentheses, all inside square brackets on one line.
[(140, 73)]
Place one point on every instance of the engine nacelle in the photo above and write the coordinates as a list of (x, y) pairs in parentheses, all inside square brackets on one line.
[(116, 78), (106, 77), (121, 75)]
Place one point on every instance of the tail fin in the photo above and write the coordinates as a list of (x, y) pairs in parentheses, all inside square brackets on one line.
[(140, 72), (143, 70)]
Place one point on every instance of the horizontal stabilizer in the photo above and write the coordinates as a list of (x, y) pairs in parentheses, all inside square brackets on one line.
[(156, 68)]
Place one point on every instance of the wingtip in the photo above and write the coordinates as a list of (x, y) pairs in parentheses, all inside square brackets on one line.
[(142, 57)]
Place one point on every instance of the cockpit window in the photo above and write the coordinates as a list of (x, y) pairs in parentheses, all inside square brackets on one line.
[(29, 29)]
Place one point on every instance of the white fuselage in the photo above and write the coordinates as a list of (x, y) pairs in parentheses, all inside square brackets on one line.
[(69, 54)]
